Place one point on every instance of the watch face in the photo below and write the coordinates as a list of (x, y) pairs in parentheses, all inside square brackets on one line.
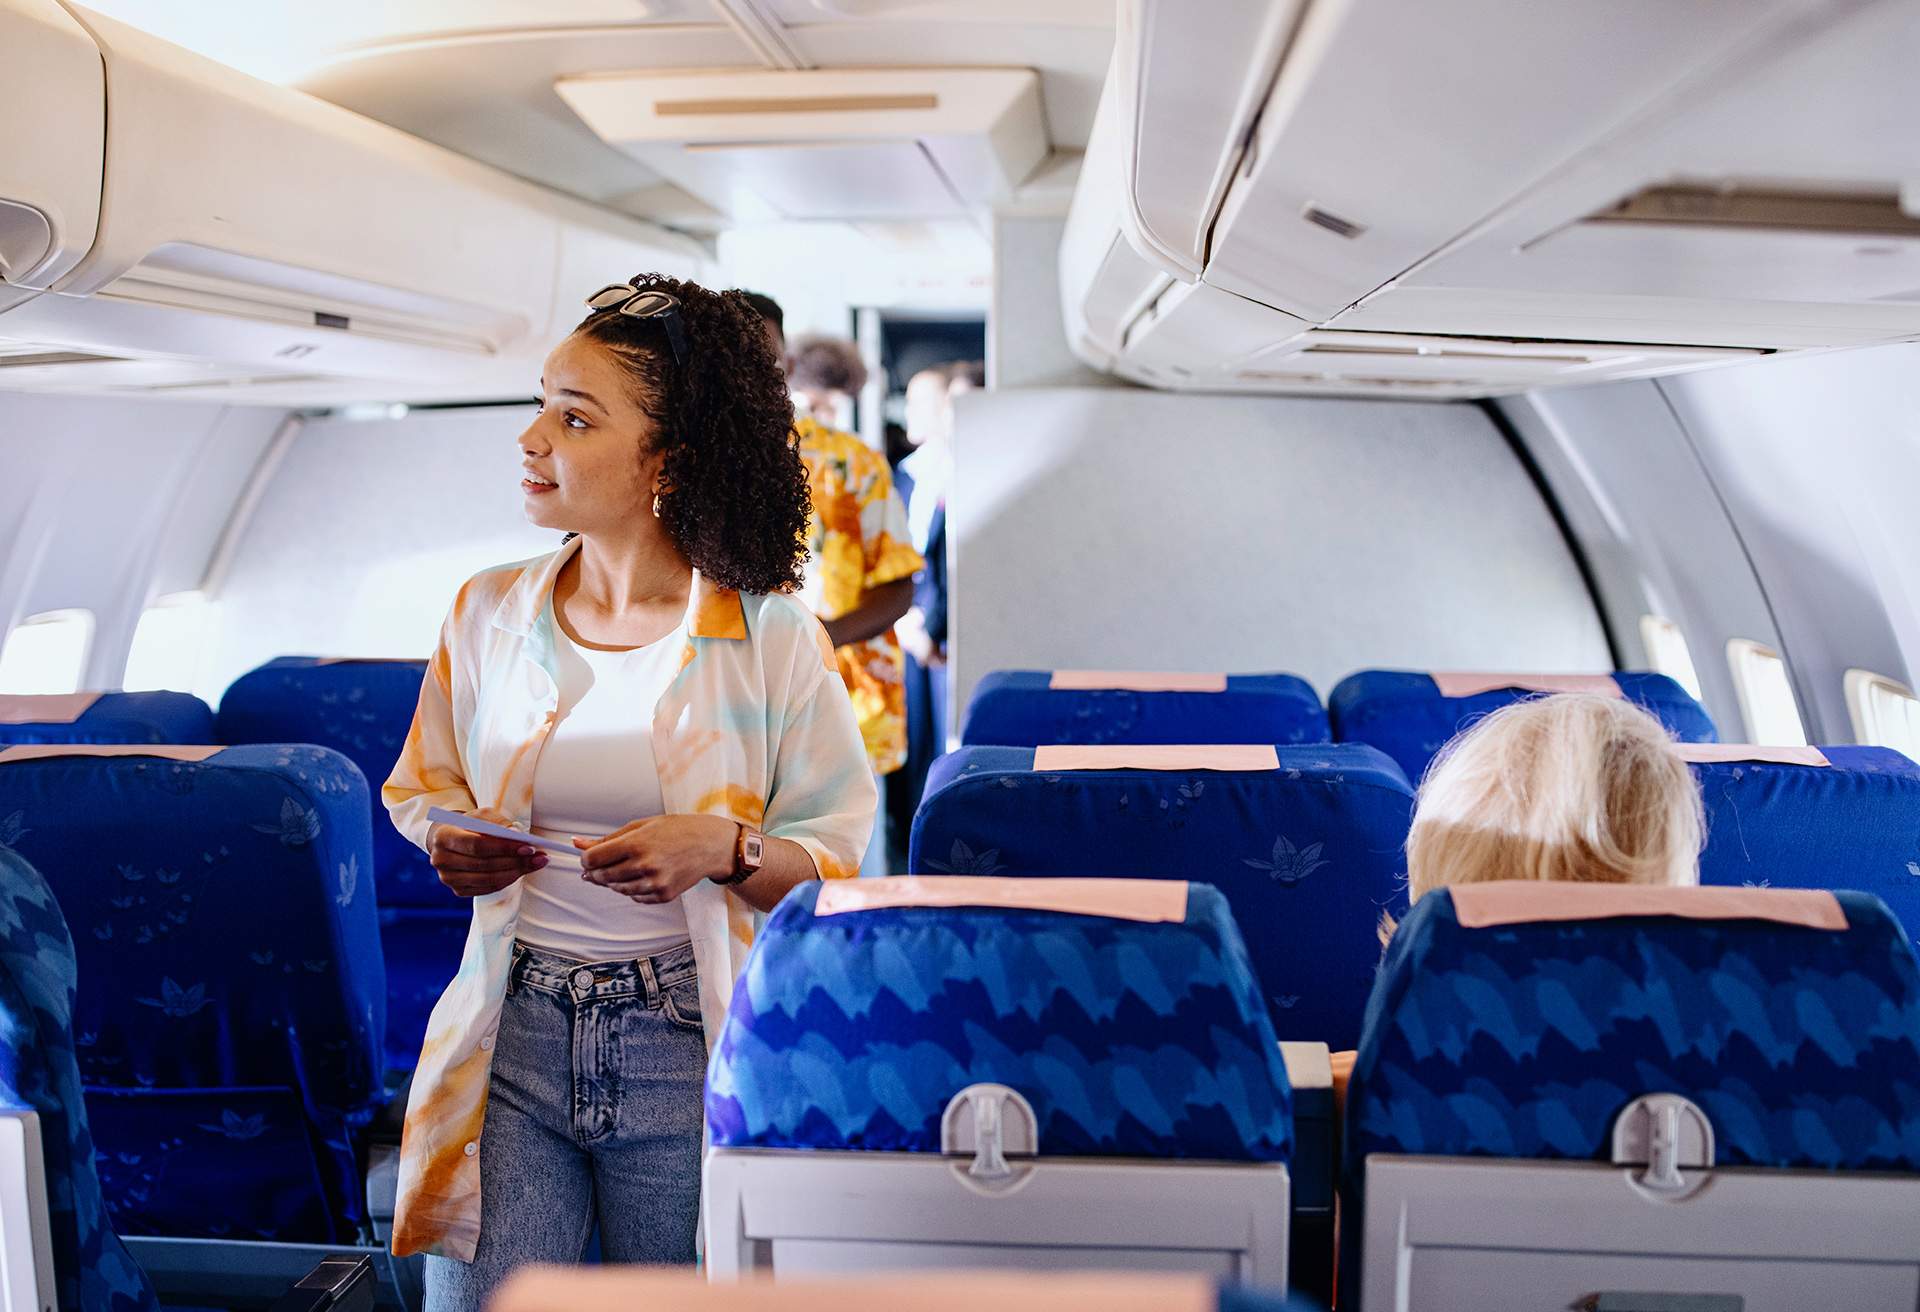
[(753, 849)]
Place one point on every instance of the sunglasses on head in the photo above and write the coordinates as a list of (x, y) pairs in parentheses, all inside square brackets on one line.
[(646, 303)]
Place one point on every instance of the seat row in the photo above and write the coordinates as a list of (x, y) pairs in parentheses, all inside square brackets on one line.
[(1407, 715), (166, 858), (363, 709), (1564, 1096), (359, 708), (1307, 842), (1313, 839)]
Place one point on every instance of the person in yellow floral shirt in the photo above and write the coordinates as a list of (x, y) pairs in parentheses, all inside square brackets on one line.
[(860, 578)]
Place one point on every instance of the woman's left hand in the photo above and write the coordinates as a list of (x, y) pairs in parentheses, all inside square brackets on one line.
[(659, 858)]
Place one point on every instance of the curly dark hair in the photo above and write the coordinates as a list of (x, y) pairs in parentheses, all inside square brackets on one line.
[(736, 501)]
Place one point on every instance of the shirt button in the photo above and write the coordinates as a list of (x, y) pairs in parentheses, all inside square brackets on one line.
[(486, 1044), (471, 1149), (582, 978)]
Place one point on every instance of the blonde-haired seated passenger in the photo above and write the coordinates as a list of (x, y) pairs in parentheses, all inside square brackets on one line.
[(1572, 787)]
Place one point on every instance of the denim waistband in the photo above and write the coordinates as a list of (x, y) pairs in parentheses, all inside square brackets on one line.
[(583, 981)]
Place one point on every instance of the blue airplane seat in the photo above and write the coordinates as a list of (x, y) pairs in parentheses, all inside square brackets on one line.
[(1309, 852), (1851, 823), (110, 717), (1518, 1021), (1024, 708), (39, 1073), (363, 709), (1409, 716), (232, 996)]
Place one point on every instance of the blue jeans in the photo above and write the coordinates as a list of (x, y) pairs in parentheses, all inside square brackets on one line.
[(594, 1113)]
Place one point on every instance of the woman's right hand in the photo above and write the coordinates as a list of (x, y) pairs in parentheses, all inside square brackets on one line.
[(474, 864)]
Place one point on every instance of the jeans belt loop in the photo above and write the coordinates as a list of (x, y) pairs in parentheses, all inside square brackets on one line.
[(650, 982)]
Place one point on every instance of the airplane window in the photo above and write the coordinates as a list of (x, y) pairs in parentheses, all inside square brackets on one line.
[(1667, 652), (168, 645), (1766, 694), (47, 653), (1885, 712)]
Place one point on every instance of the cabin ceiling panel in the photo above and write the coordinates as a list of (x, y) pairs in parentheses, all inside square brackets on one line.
[(1066, 13), (278, 41), (1071, 60), (492, 98)]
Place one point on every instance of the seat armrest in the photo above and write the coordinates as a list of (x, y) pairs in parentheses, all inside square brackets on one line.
[(341, 1283), (1310, 1071), (26, 1233)]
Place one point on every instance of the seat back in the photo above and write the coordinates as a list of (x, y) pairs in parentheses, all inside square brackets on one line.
[(1519, 1020), (1308, 853), (1130, 1038), (38, 1072), (956, 1073), (106, 717), (363, 709), (582, 1289), (232, 992), (1852, 823), (1410, 716), (1027, 708)]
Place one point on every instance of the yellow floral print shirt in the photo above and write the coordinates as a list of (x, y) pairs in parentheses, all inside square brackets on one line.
[(754, 727), (858, 537)]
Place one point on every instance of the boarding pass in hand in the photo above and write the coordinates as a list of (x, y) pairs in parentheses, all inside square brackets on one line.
[(473, 824)]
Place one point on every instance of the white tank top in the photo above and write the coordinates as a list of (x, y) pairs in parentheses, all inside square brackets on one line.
[(595, 774)]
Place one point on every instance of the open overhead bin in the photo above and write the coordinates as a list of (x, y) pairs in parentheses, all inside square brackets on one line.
[(259, 238)]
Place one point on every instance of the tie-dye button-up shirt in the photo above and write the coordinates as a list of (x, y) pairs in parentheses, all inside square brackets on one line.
[(858, 537), (753, 727)]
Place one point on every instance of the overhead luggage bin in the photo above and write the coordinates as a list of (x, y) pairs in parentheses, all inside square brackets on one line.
[(1773, 204), (1166, 140), (1394, 127), (256, 237), (50, 171), (1487, 196)]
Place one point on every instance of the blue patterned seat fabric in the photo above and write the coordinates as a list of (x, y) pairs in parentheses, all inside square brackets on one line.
[(1854, 824), (231, 993), (1017, 708), (1308, 856), (1403, 714), (852, 1032), (92, 1269), (124, 717), (363, 710), (1801, 1045)]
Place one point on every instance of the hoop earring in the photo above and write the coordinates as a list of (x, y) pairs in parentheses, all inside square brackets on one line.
[(656, 505)]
